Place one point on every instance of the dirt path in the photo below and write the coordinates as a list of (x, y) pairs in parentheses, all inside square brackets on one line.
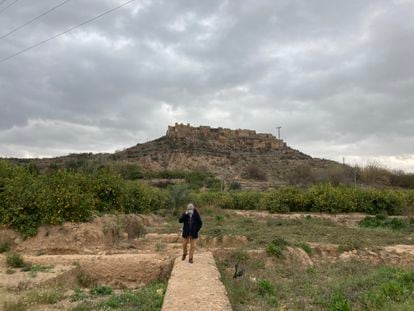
[(196, 286)]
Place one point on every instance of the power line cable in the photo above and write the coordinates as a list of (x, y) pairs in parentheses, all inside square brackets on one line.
[(34, 19), (65, 32), (7, 6)]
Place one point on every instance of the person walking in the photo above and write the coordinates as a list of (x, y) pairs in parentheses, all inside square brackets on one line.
[(192, 224)]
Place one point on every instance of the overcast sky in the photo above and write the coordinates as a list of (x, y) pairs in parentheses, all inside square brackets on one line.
[(338, 76)]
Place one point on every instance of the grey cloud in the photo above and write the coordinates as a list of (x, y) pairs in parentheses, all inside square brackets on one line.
[(337, 75)]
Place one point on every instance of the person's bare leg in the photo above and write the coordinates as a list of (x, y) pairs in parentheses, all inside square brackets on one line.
[(185, 243), (192, 249)]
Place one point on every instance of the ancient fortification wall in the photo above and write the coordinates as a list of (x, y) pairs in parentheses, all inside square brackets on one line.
[(227, 138)]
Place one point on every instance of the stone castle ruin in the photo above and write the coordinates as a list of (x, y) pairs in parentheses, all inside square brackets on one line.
[(224, 138)]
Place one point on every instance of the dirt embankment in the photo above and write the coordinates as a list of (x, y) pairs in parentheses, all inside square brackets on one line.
[(101, 234), (110, 250)]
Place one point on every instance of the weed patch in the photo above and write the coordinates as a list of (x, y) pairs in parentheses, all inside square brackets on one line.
[(381, 221), (34, 269), (305, 246), (240, 256), (14, 306), (339, 286), (45, 296), (15, 260), (277, 247), (78, 295), (265, 287), (339, 303), (267, 290), (101, 290), (4, 246), (397, 288), (149, 298)]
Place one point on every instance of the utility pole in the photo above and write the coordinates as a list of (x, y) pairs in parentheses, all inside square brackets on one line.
[(278, 131)]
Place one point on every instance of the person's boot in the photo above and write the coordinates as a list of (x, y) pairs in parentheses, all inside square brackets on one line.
[(190, 260), (184, 255)]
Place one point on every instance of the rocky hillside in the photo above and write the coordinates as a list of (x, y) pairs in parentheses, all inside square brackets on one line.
[(231, 154), (249, 158)]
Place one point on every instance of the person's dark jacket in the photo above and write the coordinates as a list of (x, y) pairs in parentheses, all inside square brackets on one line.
[(190, 229)]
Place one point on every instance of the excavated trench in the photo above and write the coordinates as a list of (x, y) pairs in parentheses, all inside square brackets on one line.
[(112, 251), (117, 251)]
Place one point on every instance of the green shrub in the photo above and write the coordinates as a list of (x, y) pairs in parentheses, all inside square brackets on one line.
[(266, 287), (283, 200), (78, 295), (4, 246), (101, 290), (45, 296), (34, 269), (21, 205), (246, 200), (64, 196), (267, 290), (213, 183), (108, 191), (15, 260), (29, 200), (381, 221), (318, 198), (141, 198), (397, 287), (45, 199), (217, 199), (343, 199), (339, 303), (277, 247), (219, 218), (147, 298), (326, 198)]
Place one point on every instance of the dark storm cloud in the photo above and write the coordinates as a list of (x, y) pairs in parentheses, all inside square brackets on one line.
[(337, 75)]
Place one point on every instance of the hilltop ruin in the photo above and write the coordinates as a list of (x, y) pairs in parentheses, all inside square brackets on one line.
[(223, 138)]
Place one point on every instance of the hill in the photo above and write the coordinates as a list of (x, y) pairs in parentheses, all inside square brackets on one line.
[(249, 158), (230, 154)]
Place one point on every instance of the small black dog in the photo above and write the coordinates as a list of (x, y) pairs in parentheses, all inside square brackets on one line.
[(238, 273)]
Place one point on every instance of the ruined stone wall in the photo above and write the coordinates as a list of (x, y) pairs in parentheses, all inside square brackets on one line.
[(225, 138)]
